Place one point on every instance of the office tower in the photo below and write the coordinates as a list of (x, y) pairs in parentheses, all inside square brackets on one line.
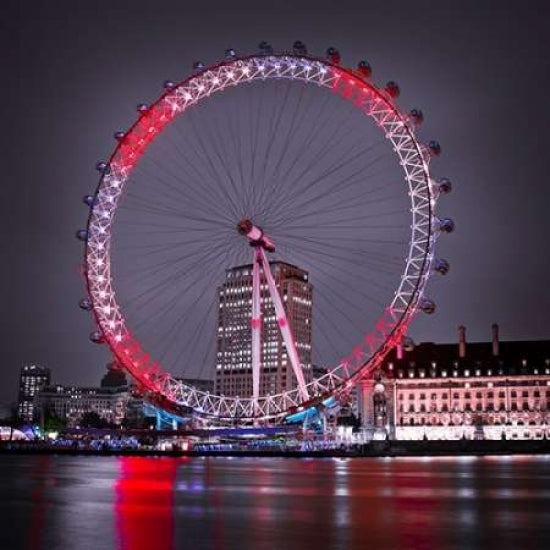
[(234, 335)]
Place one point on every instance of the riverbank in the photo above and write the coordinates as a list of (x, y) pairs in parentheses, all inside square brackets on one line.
[(373, 450)]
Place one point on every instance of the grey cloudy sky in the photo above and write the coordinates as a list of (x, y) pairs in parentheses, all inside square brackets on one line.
[(74, 71)]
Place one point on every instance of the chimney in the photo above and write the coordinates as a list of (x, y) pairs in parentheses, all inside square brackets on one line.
[(400, 350), (494, 329), (462, 341)]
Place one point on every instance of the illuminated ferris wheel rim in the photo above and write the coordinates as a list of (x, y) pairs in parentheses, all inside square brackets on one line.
[(397, 127)]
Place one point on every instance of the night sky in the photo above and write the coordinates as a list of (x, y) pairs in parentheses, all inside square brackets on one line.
[(74, 72)]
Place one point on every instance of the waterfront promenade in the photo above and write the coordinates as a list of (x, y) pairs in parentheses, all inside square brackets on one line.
[(372, 449)]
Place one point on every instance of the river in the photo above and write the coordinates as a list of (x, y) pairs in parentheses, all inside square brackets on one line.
[(147, 503)]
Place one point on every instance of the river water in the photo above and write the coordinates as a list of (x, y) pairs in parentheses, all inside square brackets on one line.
[(136, 503)]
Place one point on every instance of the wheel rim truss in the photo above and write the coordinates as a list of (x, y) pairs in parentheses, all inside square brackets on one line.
[(414, 159)]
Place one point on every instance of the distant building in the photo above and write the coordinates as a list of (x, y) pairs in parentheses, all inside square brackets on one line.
[(70, 403), (114, 377), (317, 371), (234, 336), (486, 390), (31, 380)]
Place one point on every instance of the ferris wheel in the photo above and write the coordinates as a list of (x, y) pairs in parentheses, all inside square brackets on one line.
[(268, 223)]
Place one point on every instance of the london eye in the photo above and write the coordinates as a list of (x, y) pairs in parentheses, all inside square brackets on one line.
[(268, 223)]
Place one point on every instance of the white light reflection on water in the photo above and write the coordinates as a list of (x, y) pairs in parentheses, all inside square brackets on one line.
[(272, 504)]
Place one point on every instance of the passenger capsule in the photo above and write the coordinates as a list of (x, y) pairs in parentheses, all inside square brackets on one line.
[(168, 84), (444, 185), (198, 66), (427, 306), (103, 167), (142, 108), (85, 304), (230, 53), (434, 148), (265, 48), (333, 55), (97, 337), (88, 200), (299, 48), (392, 89), (446, 225), (82, 235), (364, 68), (416, 116), (441, 266), (119, 136)]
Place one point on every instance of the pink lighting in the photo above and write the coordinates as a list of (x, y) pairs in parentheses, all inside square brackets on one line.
[(151, 122)]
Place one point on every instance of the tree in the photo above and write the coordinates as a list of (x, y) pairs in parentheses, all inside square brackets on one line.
[(91, 419), (52, 422)]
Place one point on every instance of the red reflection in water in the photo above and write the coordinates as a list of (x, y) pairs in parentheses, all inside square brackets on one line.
[(417, 512), (144, 504), (40, 477)]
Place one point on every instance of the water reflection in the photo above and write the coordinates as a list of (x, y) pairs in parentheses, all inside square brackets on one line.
[(41, 481), (144, 503), (132, 503)]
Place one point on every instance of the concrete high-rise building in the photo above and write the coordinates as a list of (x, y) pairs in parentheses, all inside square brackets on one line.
[(234, 334), (32, 379)]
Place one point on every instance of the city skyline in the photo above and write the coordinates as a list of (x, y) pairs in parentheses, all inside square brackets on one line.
[(275, 275), (491, 159)]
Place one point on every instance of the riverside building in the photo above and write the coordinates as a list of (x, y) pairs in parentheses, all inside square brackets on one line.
[(70, 403), (32, 379), (234, 335), (485, 390)]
